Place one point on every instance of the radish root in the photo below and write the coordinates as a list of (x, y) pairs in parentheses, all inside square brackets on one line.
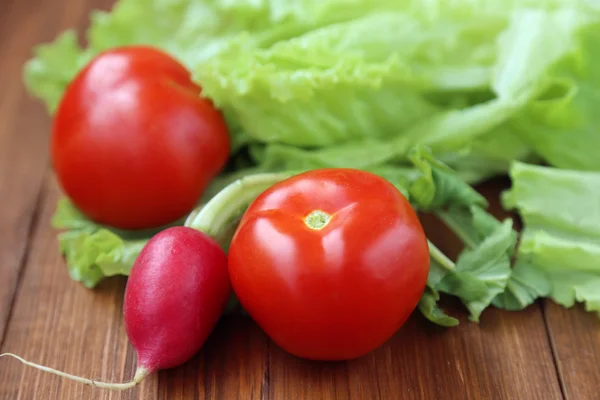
[(140, 374)]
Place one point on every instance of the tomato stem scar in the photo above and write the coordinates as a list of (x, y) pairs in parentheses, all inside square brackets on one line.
[(317, 219)]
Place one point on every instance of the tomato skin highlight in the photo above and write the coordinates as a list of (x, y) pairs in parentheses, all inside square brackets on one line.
[(177, 290), (133, 143), (338, 292)]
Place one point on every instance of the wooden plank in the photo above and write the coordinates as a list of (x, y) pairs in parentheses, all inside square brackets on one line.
[(232, 365), (575, 336), (235, 359), (57, 322), (23, 150), (24, 128)]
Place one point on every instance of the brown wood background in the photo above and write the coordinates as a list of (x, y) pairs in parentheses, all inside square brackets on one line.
[(544, 352)]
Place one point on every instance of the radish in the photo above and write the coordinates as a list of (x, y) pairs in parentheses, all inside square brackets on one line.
[(177, 290)]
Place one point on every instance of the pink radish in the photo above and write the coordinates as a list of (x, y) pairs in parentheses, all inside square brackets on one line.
[(176, 292)]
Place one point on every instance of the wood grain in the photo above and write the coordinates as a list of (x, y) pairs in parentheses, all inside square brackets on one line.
[(24, 128), (63, 325), (575, 336), (23, 147)]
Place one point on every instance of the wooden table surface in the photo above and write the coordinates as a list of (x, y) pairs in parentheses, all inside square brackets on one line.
[(544, 352)]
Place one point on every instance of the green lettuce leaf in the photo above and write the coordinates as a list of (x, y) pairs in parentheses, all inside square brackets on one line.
[(534, 40), (571, 267), (558, 202), (94, 252), (430, 309), (438, 186), (439, 266), (561, 124), (48, 74), (559, 251), (483, 269), (482, 272), (526, 284), (169, 24), (191, 30), (340, 72), (369, 77), (488, 155)]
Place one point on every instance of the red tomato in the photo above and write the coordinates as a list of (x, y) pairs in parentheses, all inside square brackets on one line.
[(330, 263), (133, 143)]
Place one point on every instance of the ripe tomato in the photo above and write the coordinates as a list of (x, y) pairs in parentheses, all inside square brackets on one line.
[(133, 143), (330, 263)]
